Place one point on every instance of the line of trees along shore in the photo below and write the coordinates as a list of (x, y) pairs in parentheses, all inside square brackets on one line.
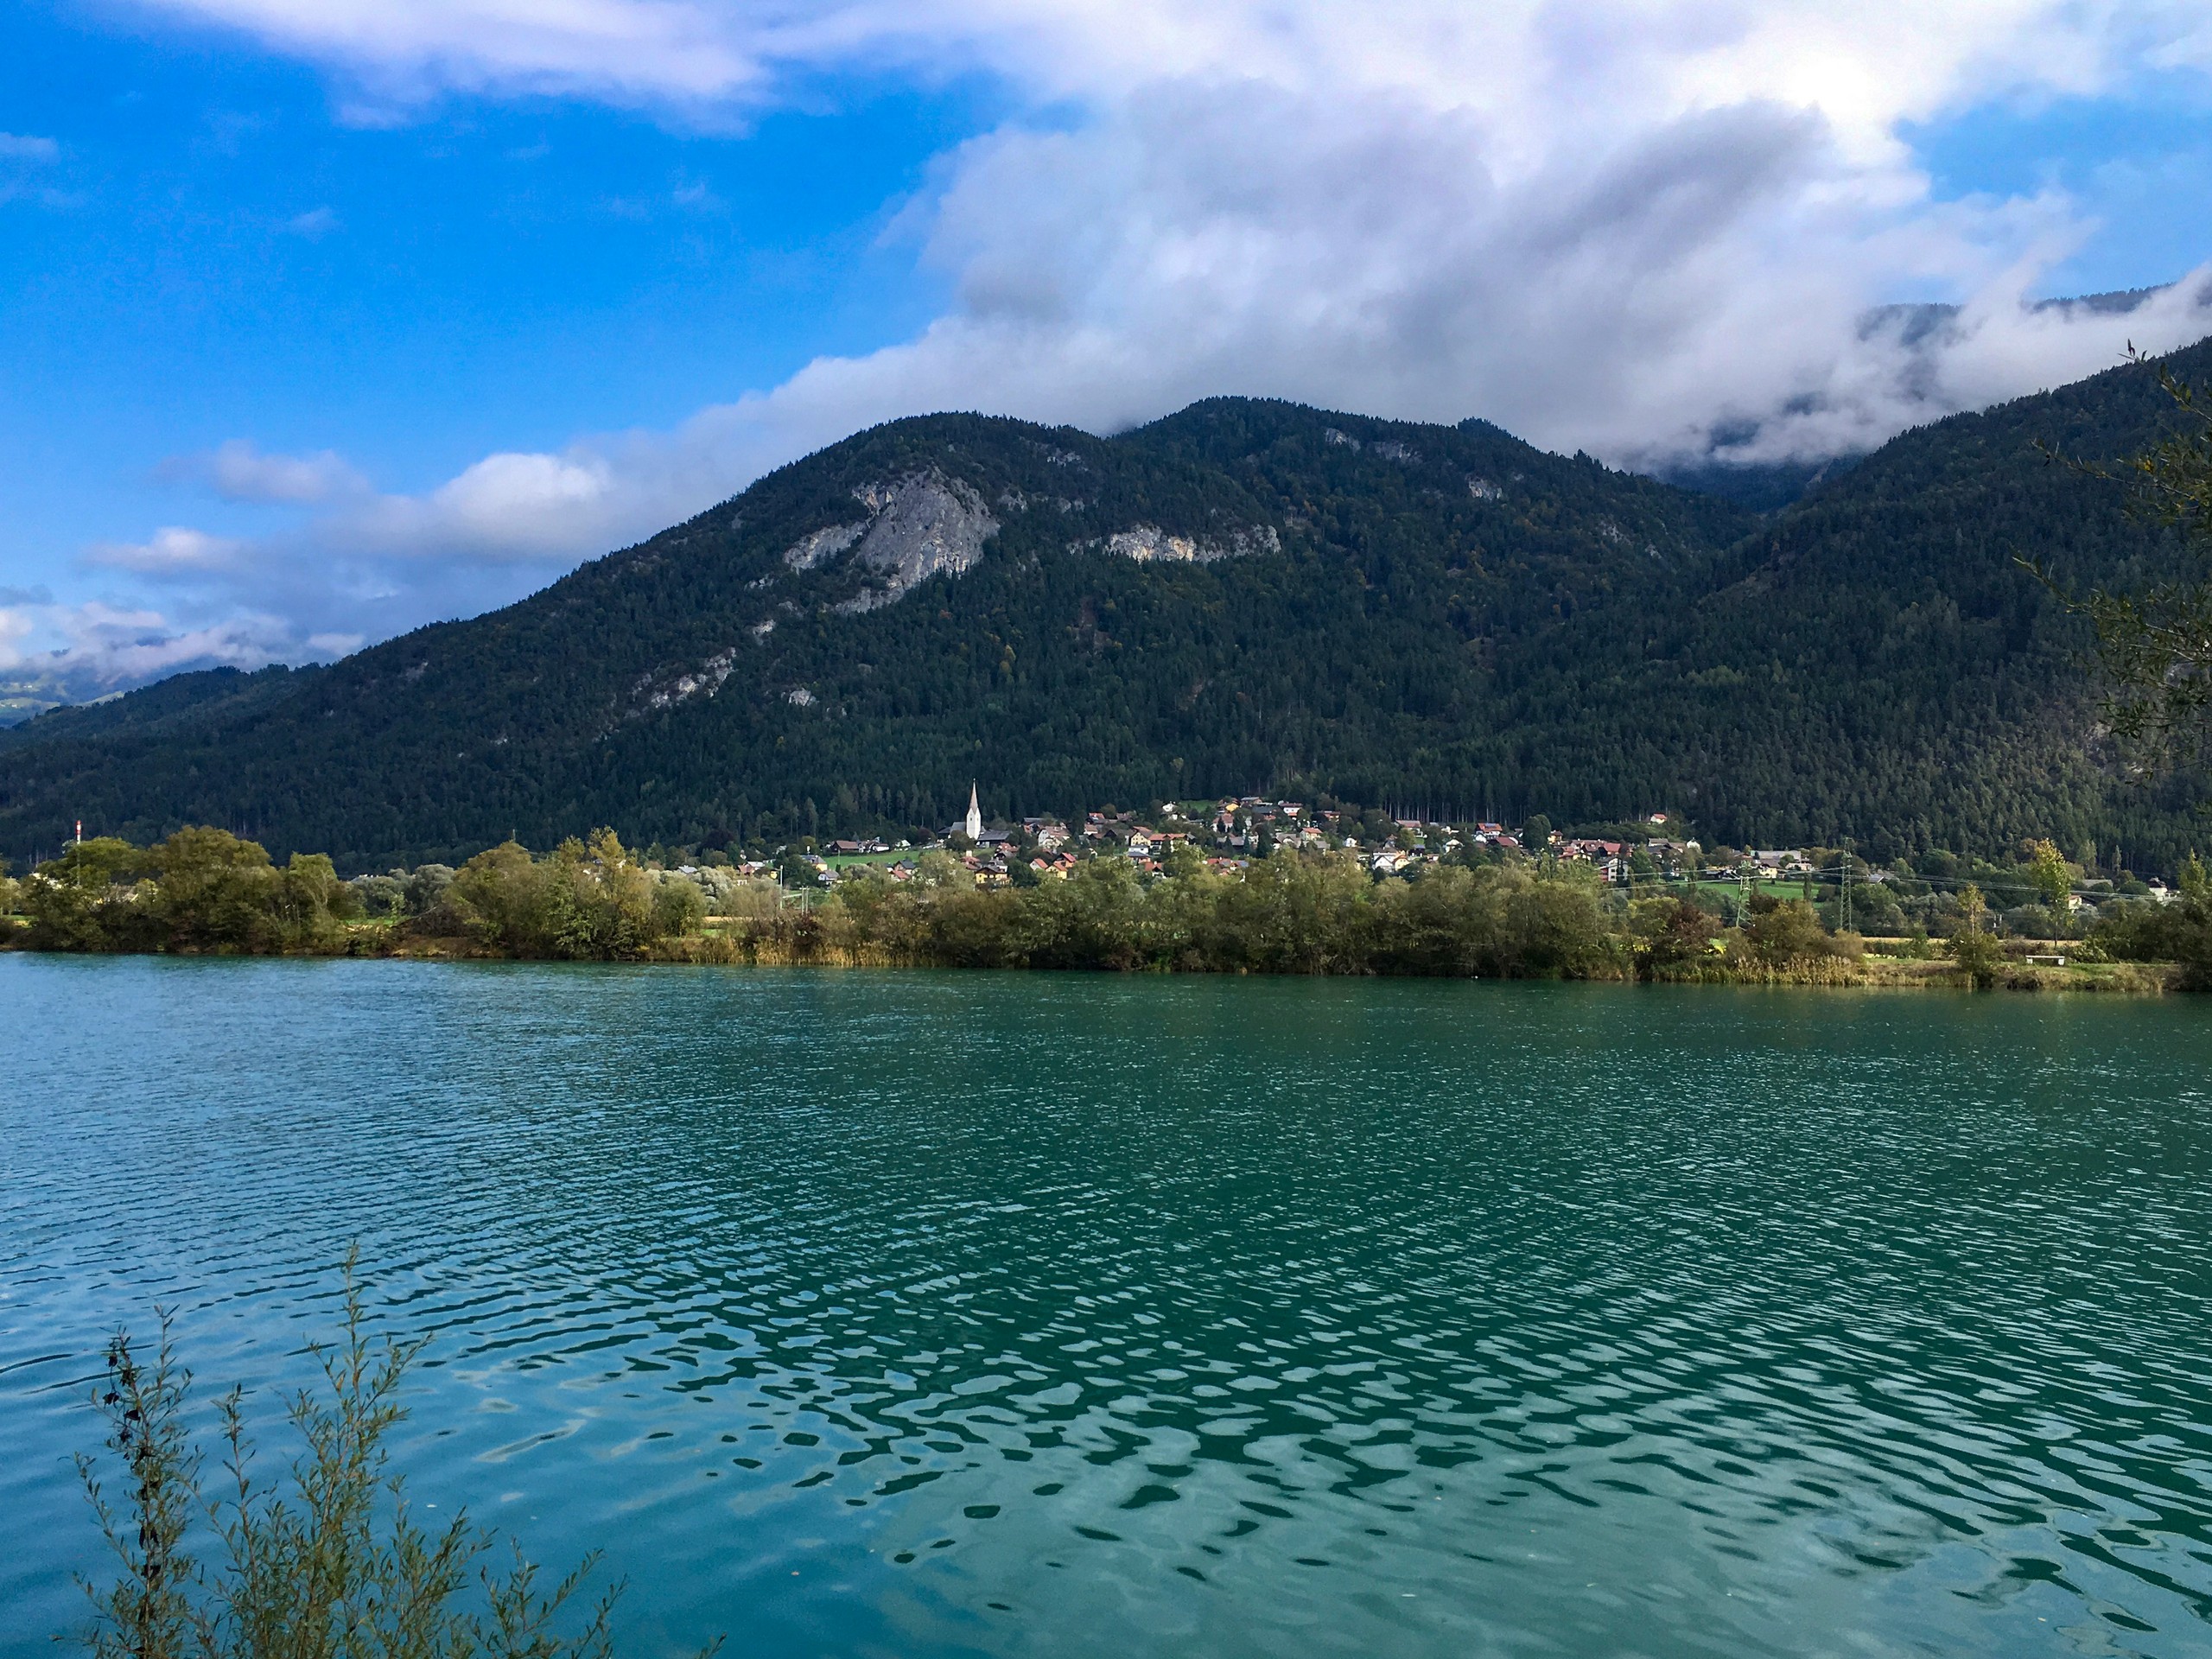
[(205, 891)]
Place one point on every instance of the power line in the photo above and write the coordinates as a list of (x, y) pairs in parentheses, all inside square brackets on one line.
[(1746, 880)]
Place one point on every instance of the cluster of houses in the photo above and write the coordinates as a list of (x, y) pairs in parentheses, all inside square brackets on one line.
[(1668, 856), (1227, 834)]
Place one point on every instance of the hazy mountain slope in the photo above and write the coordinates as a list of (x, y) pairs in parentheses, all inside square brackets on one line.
[(1762, 487), (1246, 595)]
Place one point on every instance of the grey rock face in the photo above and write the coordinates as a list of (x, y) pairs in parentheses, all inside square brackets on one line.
[(1146, 542), (1388, 450), (924, 524), (1149, 541), (665, 689), (811, 551), (918, 526)]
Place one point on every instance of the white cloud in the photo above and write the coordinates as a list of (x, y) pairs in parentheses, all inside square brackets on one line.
[(51, 654), (173, 549), (2190, 48), (1618, 224), (1865, 63), (356, 565), (239, 471), (23, 160), (523, 503), (1634, 226), (142, 644)]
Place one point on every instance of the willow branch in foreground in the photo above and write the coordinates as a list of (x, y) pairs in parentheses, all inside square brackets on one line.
[(327, 1563)]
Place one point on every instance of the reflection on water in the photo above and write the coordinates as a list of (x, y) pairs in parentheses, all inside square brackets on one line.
[(1031, 1314)]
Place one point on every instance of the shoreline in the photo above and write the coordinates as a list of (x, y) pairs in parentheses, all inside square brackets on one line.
[(725, 948), (205, 892)]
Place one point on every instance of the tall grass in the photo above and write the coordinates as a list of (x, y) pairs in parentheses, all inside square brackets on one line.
[(328, 1561)]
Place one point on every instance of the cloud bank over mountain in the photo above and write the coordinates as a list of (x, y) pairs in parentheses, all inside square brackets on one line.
[(1656, 231)]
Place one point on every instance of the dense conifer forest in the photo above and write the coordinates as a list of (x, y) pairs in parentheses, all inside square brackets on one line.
[(1246, 596)]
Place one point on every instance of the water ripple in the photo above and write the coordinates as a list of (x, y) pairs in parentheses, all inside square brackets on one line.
[(943, 1314)]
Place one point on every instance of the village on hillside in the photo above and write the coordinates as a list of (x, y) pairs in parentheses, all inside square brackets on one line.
[(2039, 894)]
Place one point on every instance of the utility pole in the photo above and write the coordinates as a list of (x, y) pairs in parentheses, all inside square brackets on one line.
[(1843, 901)]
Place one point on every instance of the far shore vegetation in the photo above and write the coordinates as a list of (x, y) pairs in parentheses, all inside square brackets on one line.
[(1479, 907)]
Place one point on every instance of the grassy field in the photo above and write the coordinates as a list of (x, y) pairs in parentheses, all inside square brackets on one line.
[(846, 861), (1775, 888)]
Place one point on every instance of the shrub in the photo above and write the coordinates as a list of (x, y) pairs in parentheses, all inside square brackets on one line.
[(2037, 922), (1779, 931), (333, 1567), (1555, 927), (202, 889), (213, 890), (679, 907), (728, 894), (426, 888), (1672, 936), (585, 899), (1972, 946), (380, 896), (70, 900), (2142, 930), (1285, 913)]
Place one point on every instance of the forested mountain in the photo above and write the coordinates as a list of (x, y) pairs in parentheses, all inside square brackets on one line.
[(1245, 596)]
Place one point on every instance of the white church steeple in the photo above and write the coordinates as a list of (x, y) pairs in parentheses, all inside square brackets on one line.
[(975, 824)]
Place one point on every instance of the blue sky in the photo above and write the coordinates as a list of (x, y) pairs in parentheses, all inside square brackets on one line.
[(2137, 162), (319, 319), (211, 252)]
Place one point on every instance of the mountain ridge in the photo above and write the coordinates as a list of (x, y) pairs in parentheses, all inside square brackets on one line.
[(1246, 595)]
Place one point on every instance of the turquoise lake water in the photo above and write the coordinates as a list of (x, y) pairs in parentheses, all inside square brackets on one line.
[(936, 1314)]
